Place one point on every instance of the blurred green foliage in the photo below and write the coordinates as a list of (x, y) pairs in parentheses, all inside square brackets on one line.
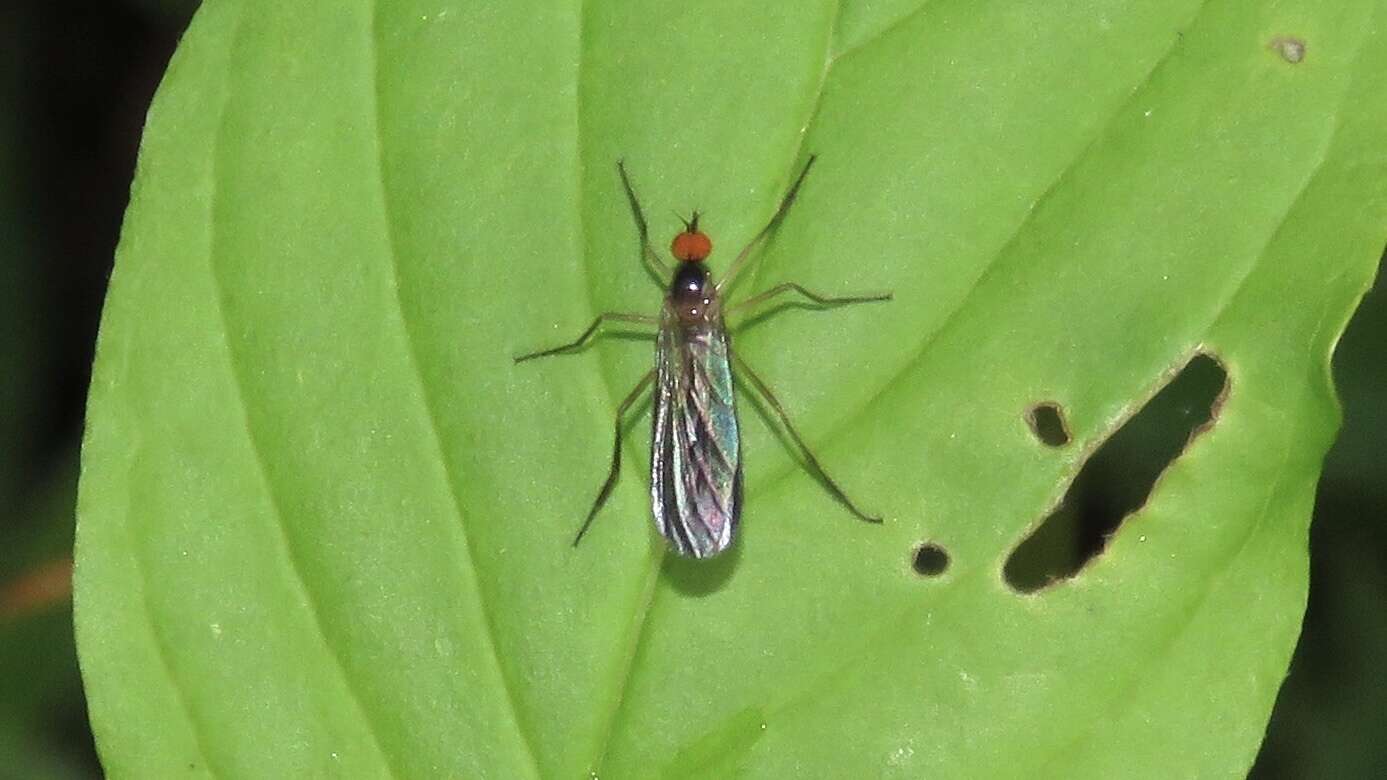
[(38, 684), (1332, 710), (74, 85)]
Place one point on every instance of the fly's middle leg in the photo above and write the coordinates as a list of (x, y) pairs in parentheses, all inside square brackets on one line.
[(615, 469), (641, 319), (832, 486), (816, 299)]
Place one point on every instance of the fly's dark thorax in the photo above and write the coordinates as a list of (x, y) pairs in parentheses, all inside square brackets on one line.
[(693, 299)]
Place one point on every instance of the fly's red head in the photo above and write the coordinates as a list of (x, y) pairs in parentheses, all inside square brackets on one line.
[(691, 246)]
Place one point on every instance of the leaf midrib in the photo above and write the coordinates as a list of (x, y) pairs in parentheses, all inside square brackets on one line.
[(650, 590)]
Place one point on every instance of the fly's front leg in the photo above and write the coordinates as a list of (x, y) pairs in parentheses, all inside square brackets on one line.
[(588, 334), (813, 462), (657, 267), (616, 455), (815, 298), (759, 238)]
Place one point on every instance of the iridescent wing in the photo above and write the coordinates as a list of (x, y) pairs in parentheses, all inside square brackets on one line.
[(695, 451)]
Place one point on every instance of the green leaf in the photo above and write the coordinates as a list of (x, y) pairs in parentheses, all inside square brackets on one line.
[(325, 521)]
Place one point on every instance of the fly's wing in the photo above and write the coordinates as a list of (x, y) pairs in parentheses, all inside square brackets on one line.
[(695, 459)]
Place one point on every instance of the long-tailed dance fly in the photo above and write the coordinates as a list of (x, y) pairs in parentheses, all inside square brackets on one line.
[(695, 446)]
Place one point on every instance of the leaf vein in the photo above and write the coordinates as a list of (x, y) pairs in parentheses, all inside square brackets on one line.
[(262, 471), (640, 620), (876, 37), (815, 106), (426, 398), (161, 649), (636, 626)]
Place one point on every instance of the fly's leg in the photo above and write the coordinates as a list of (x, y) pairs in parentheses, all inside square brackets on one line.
[(756, 241), (813, 462), (616, 455), (662, 272), (815, 298), (610, 316)]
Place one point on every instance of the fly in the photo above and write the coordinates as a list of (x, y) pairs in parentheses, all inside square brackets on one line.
[(695, 445)]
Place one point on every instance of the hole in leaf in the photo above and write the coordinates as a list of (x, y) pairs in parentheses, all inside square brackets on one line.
[(930, 560), (1118, 478), (1047, 423)]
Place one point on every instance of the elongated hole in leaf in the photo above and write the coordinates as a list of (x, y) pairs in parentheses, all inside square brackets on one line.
[(1047, 423), (930, 560), (1119, 477)]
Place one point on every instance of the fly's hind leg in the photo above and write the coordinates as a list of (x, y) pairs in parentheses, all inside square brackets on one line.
[(612, 473), (837, 492)]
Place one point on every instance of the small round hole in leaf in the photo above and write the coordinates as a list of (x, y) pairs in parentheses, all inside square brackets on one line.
[(1047, 423), (930, 560)]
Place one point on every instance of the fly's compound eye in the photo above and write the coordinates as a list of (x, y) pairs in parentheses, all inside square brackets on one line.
[(691, 246)]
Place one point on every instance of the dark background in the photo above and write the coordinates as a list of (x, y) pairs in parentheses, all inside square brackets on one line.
[(75, 81)]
